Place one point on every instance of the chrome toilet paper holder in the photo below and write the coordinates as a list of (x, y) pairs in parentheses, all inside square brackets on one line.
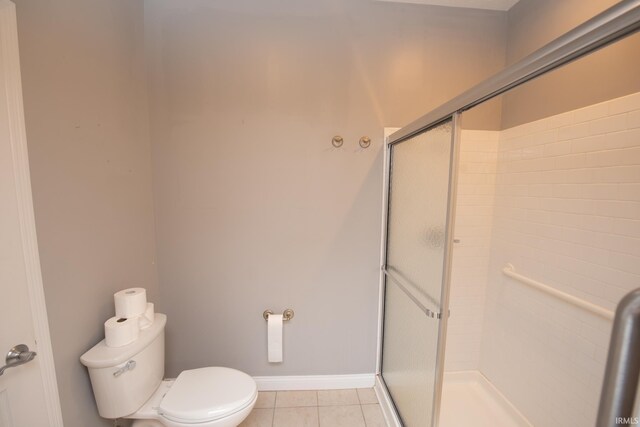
[(286, 315)]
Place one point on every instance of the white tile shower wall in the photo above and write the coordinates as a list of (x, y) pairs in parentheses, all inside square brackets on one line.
[(478, 155), (567, 213)]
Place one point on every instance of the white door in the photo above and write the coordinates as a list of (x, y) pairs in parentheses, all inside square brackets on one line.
[(28, 394)]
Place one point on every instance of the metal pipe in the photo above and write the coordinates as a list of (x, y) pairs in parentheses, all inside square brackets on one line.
[(613, 24), (623, 365)]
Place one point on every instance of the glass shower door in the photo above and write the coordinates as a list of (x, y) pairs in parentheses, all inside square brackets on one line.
[(416, 271)]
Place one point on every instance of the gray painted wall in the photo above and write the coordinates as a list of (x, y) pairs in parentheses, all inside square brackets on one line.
[(534, 23), (87, 129), (254, 207)]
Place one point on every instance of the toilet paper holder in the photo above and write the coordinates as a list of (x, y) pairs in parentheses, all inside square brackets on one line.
[(286, 315)]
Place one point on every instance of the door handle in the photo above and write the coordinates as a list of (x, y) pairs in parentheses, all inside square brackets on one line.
[(18, 355)]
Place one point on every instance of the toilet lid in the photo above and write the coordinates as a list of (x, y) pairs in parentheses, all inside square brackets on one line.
[(206, 394)]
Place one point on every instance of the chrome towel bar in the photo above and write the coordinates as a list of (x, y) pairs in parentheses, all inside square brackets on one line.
[(401, 284)]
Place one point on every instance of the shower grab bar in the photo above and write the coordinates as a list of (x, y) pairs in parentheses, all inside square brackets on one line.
[(510, 270), (399, 282), (623, 366)]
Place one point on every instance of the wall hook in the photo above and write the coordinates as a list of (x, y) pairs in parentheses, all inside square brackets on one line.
[(365, 142)]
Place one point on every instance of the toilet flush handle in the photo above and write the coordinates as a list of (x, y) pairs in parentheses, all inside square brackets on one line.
[(127, 367)]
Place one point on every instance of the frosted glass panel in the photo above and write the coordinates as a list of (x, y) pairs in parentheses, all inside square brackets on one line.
[(409, 357), (418, 211), (416, 236)]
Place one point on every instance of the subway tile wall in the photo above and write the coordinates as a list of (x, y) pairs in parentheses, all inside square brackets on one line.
[(566, 213)]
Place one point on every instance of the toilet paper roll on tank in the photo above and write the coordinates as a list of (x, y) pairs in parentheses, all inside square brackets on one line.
[(133, 313), (130, 302), (120, 331)]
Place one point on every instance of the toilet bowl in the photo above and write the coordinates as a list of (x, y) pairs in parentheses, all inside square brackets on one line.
[(128, 383), (205, 397)]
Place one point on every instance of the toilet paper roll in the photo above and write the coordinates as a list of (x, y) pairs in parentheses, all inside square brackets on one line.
[(274, 338), (146, 319), (130, 302), (119, 331)]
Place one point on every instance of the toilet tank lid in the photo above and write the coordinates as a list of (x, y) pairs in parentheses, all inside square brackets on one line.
[(102, 356)]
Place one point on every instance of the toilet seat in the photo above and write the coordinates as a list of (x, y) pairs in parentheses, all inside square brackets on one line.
[(207, 394)]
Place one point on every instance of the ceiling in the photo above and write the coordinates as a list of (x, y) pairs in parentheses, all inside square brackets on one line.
[(473, 4)]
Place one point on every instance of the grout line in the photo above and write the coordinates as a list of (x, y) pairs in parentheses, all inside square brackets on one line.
[(363, 417), (317, 392), (339, 405), (303, 406)]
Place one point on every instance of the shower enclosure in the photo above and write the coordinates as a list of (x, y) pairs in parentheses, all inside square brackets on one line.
[(422, 162), (417, 268)]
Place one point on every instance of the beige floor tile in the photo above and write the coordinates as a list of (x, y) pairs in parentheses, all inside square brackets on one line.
[(341, 416), (266, 399), (337, 397), (296, 417), (373, 416), (294, 399), (259, 418), (367, 395)]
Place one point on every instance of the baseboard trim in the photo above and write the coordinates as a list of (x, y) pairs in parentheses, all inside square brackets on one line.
[(315, 382), (388, 410)]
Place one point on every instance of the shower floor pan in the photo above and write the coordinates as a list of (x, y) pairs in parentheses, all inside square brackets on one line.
[(469, 399)]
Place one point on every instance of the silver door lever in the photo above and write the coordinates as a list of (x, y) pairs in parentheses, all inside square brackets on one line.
[(18, 355)]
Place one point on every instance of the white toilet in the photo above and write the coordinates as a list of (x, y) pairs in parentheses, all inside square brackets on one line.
[(127, 383)]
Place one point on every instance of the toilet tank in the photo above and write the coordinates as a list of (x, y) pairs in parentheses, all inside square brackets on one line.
[(124, 378)]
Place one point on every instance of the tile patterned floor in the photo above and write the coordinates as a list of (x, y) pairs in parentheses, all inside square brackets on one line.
[(322, 408)]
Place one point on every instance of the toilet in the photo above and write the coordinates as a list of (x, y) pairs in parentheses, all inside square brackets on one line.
[(128, 383)]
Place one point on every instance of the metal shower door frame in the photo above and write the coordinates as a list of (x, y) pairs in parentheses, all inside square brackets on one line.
[(617, 22), (610, 26), (443, 315)]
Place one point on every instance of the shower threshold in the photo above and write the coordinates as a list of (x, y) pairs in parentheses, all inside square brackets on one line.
[(469, 399)]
